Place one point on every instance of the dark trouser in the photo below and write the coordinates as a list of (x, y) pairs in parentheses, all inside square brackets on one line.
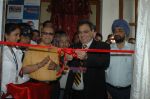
[(77, 94), (55, 89), (119, 93), (61, 93)]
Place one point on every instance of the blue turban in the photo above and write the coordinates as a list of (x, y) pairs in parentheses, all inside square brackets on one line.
[(121, 23)]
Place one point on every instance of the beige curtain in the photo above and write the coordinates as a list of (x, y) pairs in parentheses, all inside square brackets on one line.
[(141, 75)]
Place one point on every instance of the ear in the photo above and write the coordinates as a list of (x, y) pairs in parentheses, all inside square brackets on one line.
[(94, 33), (6, 36)]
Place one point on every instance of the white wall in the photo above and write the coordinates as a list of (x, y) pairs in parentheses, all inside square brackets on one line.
[(110, 12), (44, 14)]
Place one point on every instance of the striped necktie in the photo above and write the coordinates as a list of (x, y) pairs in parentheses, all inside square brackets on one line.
[(77, 76)]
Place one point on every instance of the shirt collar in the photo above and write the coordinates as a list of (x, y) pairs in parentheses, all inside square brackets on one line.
[(89, 43), (125, 45), (14, 49)]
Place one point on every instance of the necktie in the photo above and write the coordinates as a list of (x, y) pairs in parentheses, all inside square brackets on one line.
[(84, 46), (77, 76)]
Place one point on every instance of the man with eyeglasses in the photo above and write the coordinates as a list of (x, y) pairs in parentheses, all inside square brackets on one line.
[(89, 84), (47, 35), (47, 72)]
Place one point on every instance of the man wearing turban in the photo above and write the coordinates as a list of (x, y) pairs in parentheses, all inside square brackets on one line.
[(119, 73)]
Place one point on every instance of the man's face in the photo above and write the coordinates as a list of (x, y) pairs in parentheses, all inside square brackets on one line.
[(35, 36), (98, 38), (47, 35), (119, 35), (85, 33), (64, 42), (25, 39)]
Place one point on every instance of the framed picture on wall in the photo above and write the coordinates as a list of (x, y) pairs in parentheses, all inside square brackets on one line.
[(95, 16), (31, 12), (32, 2), (15, 12)]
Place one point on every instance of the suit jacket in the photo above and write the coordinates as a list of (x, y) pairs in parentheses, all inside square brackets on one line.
[(94, 77)]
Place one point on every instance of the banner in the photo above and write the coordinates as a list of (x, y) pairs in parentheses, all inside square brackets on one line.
[(19, 11)]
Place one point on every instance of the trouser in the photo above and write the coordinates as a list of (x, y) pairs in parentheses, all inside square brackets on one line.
[(77, 94), (119, 92)]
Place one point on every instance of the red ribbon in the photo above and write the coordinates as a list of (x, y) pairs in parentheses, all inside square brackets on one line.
[(69, 51)]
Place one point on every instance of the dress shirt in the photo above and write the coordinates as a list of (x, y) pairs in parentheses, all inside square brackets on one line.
[(81, 85), (120, 70)]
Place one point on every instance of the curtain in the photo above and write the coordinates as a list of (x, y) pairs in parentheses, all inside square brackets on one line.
[(67, 13), (141, 75)]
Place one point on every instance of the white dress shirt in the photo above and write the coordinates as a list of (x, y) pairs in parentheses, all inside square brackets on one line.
[(120, 70), (81, 85), (9, 72), (63, 80)]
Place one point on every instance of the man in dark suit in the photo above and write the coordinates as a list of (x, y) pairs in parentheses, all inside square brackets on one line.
[(91, 83)]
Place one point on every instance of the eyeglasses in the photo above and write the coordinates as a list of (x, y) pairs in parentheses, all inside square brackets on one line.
[(86, 31), (47, 33)]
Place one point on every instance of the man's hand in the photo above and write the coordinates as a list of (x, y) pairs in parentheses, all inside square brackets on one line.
[(44, 62), (82, 55), (52, 65), (66, 69), (69, 57)]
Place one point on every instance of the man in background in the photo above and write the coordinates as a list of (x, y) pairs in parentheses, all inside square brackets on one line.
[(119, 73)]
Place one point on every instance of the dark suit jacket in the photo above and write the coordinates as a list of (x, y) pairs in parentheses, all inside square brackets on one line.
[(94, 77)]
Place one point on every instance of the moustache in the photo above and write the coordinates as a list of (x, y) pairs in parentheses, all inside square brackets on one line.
[(119, 39)]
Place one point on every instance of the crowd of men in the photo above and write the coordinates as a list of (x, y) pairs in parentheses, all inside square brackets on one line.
[(105, 75)]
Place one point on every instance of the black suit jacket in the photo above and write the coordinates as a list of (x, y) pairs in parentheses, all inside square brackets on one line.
[(94, 77)]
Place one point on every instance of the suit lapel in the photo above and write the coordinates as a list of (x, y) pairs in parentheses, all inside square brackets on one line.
[(93, 45), (79, 45)]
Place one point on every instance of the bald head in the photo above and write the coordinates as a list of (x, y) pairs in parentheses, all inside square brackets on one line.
[(47, 35), (44, 29)]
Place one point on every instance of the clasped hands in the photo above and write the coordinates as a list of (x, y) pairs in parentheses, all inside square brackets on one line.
[(52, 65), (82, 55)]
